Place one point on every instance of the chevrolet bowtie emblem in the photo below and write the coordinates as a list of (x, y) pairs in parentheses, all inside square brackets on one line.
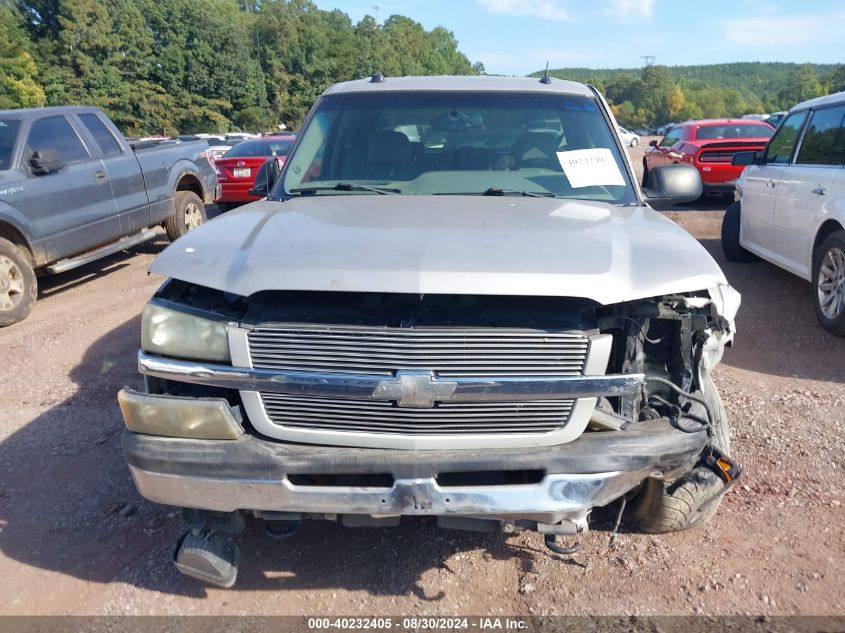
[(414, 389)]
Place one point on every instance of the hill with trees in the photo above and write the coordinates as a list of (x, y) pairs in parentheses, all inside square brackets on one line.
[(658, 94), (203, 65)]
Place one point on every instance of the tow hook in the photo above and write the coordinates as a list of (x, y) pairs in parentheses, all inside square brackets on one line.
[(208, 555)]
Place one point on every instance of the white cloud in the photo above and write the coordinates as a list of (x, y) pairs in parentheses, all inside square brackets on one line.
[(780, 31), (625, 9), (545, 9)]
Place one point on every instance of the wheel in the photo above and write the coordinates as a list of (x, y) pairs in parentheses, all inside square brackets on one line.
[(829, 283), (18, 285), (733, 250), (188, 214), (645, 174), (688, 501), (635, 141)]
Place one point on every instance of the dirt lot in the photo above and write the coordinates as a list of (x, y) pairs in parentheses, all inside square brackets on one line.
[(76, 538)]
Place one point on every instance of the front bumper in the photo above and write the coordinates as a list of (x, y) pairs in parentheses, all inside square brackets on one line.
[(254, 474)]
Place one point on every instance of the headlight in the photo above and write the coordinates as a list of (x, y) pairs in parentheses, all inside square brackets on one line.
[(183, 335), (196, 418)]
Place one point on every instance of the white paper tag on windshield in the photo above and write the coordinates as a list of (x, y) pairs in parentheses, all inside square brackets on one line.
[(590, 167)]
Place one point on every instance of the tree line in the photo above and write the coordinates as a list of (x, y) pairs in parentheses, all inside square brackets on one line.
[(658, 94), (203, 65)]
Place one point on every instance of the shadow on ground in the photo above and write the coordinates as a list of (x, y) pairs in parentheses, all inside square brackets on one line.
[(777, 329)]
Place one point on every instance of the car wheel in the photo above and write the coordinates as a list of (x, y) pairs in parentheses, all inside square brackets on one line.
[(188, 214), (645, 174), (733, 250), (829, 283), (692, 499), (18, 284), (635, 141)]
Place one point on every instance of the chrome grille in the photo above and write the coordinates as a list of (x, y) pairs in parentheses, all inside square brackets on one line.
[(372, 416), (445, 351)]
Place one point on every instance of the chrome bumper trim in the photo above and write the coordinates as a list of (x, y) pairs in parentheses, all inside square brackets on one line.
[(556, 493), (363, 386)]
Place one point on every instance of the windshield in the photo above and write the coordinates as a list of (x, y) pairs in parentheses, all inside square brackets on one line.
[(8, 134), (248, 149), (463, 143), (734, 130)]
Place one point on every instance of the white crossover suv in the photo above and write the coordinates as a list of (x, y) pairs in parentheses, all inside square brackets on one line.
[(790, 207)]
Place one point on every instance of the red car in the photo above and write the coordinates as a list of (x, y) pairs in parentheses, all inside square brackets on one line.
[(237, 169), (708, 145)]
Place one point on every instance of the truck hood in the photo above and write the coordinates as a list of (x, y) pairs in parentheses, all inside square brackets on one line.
[(443, 245)]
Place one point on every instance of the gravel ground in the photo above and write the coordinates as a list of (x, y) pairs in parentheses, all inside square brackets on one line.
[(75, 537)]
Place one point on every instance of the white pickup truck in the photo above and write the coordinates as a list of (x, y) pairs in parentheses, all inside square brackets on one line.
[(456, 303)]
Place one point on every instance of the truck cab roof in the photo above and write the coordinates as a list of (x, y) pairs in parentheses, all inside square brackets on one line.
[(460, 84)]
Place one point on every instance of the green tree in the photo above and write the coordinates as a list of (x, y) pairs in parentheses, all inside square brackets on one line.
[(801, 85), (19, 85)]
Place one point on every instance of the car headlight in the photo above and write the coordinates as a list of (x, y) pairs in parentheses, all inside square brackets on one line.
[(183, 335)]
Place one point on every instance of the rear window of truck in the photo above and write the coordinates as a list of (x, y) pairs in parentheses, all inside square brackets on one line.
[(8, 135)]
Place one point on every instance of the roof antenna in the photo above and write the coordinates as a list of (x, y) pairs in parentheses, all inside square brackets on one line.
[(546, 79), (377, 78)]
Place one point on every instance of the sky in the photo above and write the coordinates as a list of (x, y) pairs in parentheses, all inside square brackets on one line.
[(517, 37)]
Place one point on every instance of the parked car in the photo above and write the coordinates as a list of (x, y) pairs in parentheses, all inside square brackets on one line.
[(494, 330), (790, 207), (237, 168), (629, 139), (72, 190), (775, 118), (708, 145)]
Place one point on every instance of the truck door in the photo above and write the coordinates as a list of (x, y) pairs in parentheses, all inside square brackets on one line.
[(806, 189), (73, 208), (124, 171)]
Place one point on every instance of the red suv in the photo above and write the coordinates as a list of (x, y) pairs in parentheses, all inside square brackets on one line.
[(237, 169), (708, 145)]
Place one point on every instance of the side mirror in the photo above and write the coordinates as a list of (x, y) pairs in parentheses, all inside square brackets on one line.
[(744, 158), (46, 161), (266, 177), (676, 184), (652, 143)]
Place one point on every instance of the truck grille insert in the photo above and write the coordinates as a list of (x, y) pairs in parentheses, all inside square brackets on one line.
[(372, 416), (445, 351)]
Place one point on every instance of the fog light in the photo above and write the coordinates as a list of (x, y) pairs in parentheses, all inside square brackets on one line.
[(173, 416)]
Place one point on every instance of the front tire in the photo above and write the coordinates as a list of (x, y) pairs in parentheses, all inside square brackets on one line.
[(733, 250), (661, 507), (18, 284), (188, 214), (634, 142), (829, 283)]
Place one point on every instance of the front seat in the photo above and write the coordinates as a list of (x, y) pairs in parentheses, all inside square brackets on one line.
[(388, 156), (536, 149)]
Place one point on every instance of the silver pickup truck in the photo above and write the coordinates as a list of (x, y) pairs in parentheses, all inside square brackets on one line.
[(454, 303), (72, 190)]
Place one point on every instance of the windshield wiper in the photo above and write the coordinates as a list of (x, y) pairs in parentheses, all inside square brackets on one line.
[(347, 186), (499, 191), (504, 191)]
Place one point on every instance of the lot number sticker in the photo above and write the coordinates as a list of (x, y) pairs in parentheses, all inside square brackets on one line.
[(590, 167)]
